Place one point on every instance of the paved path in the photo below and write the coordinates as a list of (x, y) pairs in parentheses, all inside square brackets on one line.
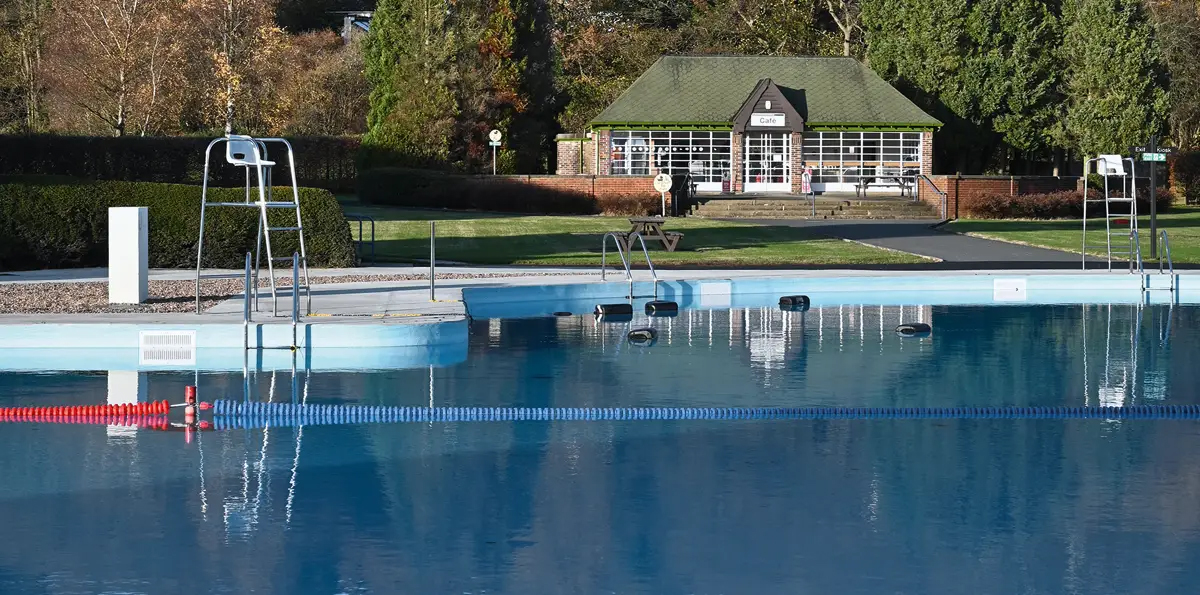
[(954, 250)]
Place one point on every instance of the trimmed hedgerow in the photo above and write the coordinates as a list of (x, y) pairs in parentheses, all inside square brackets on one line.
[(55, 223), (405, 187), (321, 161), (1052, 205)]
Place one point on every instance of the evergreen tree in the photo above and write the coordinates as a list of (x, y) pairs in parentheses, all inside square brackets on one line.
[(517, 54), (1114, 81), (409, 58), (1029, 73)]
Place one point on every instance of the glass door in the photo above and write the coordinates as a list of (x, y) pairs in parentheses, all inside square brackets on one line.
[(768, 163)]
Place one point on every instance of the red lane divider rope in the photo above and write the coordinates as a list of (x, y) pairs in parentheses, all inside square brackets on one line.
[(152, 422), (90, 411)]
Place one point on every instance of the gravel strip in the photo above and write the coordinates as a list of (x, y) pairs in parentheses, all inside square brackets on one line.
[(172, 296)]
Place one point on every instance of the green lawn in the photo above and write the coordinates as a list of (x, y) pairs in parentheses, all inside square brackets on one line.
[(1182, 225), (402, 235)]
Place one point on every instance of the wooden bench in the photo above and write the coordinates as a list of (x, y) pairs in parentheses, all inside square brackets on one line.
[(650, 228)]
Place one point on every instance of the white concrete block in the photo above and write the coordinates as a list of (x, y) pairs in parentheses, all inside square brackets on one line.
[(128, 255)]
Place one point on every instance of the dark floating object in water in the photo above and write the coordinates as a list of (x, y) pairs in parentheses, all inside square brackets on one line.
[(914, 329), (799, 303), (642, 336), (611, 309), (563, 314), (662, 308)]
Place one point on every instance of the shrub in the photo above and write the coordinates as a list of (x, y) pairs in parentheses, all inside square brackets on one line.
[(60, 225), (1185, 176), (402, 187), (629, 205), (321, 161), (1053, 205)]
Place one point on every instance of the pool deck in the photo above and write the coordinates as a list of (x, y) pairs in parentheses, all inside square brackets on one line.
[(408, 302)]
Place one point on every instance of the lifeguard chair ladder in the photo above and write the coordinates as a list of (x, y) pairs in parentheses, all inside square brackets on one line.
[(251, 153), (1120, 207)]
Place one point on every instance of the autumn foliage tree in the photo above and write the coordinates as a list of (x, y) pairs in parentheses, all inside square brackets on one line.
[(113, 65)]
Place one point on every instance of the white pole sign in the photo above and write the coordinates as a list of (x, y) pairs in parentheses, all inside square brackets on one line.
[(662, 183), (494, 136)]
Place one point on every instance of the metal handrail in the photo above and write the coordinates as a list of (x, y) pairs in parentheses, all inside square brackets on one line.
[(604, 256), (1166, 251), (945, 199), (246, 306), (296, 296), (653, 273), (358, 245), (1135, 250)]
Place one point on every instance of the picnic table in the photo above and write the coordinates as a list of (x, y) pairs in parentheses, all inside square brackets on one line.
[(650, 228)]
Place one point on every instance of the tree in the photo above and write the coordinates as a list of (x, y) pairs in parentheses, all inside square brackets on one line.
[(22, 42), (109, 63), (240, 40), (409, 56), (1177, 28), (1114, 81), (847, 16), (1029, 74), (760, 27), (517, 56), (326, 90)]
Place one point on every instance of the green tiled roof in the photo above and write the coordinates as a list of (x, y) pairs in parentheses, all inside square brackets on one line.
[(710, 89)]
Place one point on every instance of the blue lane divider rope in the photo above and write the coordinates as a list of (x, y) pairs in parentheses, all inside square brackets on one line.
[(238, 414)]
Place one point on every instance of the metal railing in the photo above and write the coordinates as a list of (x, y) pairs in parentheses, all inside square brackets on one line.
[(625, 262), (1166, 251), (1135, 253), (936, 190), (358, 245), (246, 309), (296, 296)]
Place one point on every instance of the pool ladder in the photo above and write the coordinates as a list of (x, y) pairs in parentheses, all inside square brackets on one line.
[(248, 297), (625, 261), (1137, 265)]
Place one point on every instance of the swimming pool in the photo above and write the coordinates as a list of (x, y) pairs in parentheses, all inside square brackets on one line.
[(940, 505)]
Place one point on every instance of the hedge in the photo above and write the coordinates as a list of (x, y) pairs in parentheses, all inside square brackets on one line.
[(49, 224), (321, 161), (418, 188), (1053, 205)]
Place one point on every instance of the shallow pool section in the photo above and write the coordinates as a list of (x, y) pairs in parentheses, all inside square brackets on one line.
[(604, 505)]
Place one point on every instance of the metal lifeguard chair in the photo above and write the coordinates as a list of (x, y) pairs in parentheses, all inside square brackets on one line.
[(251, 153), (1120, 207)]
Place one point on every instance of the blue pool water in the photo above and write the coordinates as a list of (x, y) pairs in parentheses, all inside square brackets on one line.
[(644, 506)]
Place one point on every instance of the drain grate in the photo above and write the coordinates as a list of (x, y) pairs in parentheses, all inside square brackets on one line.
[(175, 348)]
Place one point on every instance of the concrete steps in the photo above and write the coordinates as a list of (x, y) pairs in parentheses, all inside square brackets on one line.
[(829, 208)]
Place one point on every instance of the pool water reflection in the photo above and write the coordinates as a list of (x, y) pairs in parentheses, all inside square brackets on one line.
[(847, 506)]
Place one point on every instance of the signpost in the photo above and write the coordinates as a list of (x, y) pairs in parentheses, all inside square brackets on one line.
[(1153, 155), (662, 183), (494, 140)]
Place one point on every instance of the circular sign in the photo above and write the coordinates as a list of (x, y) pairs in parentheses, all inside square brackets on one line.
[(494, 135), (662, 182)]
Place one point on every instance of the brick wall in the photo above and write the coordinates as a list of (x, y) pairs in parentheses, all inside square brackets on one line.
[(797, 159), (957, 187), (570, 158), (593, 186), (927, 152), (604, 145), (576, 157), (738, 140)]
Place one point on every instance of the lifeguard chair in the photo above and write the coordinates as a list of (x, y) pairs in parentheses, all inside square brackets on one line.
[(251, 154), (1119, 204)]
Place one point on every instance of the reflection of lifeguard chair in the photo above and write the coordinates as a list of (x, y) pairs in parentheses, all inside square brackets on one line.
[(251, 153), (1120, 208), (1121, 326)]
